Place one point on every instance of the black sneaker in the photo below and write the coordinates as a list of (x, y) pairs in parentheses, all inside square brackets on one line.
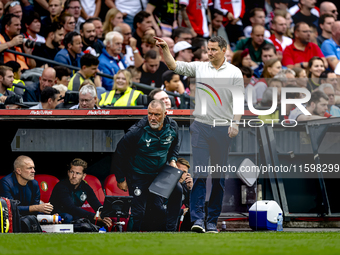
[(211, 228), (198, 226)]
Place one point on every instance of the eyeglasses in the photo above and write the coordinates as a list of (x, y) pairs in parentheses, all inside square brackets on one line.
[(14, 4), (75, 7)]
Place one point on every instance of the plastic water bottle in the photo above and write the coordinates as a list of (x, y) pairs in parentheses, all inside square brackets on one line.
[(224, 226), (279, 222), (102, 230), (45, 218)]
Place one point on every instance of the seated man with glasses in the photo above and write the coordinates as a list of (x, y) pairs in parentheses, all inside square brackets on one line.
[(87, 98), (302, 50), (73, 7), (13, 7), (328, 89), (70, 194)]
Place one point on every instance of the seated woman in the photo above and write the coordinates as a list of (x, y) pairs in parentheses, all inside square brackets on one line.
[(315, 67), (122, 94)]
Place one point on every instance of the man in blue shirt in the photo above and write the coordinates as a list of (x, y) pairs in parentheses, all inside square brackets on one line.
[(20, 185), (329, 91), (331, 47)]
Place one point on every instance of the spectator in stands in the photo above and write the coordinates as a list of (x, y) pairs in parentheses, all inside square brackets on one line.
[(16, 68), (49, 99), (275, 83), (63, 75), (328, 89), (171, 44), (159, 94), (256, 17), (14, 7), (315, 68), (317, 106), (279, 28), (68, 22), (10, 38), (47, 79), (326, 22), (49, 49), (6, 82), (172, 83), (33, 24), (233, 13), (62, 89), (88, 36), (111, 61), (242, 58), (217, 25), (87, 98), (268, 52), (136, 167), (98, 25), (271, 68), (73, 7), (55, 8), (20, 185), (314, 34), (70, 194), (129, 48), (73, 50), (14, 102), (305, 14), (254, 44), (201, 55), (90, 8), (302, 50), (331, 78), (152, 70), (112, 19), (329, 8), (148, 43), (89, 65), (301, 77), (290, 77), (167, 17), (181, 34), (247, 73), (122, 94), (136, 74), (194, 17), (141, 23), (331, 47), (183, 51)]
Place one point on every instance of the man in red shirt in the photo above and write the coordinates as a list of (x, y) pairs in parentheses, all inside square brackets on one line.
[(302, 50)]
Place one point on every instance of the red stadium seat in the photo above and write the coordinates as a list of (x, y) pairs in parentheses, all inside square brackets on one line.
[(46, 185), (111, 189), (97, 188)]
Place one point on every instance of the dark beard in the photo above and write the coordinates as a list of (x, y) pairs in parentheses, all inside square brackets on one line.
[(88, 41), (55, 44)]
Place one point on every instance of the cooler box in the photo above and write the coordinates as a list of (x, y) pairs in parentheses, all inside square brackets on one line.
[(57, 228), (263, 215)]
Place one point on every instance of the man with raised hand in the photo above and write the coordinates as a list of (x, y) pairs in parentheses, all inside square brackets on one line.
[(207, 139)]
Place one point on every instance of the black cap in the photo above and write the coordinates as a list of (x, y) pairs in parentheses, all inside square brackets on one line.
[(16, 99)]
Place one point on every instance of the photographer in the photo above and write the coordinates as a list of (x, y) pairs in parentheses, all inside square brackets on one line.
[(10, 38)]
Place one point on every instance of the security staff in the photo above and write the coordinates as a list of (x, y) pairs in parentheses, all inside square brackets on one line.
[(140, 155), (122, 94)]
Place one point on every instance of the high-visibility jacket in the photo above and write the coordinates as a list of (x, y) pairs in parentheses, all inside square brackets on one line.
[(16, 90), (127, 99)]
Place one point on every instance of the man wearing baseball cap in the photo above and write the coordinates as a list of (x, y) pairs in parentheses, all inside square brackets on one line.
[(183, 51), (14, 102)]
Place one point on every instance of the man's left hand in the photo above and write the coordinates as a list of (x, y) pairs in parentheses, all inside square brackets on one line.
[(233, 130), (188, 181)]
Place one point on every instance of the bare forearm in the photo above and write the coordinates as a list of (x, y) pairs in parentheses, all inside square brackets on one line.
[(110, 3), (98, 6), (43, 4), (168, 58), (138, 59)]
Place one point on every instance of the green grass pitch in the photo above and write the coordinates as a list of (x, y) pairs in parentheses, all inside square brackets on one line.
[(236, 243)]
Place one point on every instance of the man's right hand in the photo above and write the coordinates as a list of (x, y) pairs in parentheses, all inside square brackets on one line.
[(123, 185), (17, 40), (45, 208), (160, 42)]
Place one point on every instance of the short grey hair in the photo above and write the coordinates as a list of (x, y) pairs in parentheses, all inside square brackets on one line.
[(109, 37), (154, 103), (222, 43), (88, 89), (288, 70), (60, 87), (325, 85), (281, 76)]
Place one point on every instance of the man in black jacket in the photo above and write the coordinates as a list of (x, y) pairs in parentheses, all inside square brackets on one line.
[(70, 194), (140, 156)]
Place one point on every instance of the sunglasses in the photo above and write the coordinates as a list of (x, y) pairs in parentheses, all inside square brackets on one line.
[(14, 3)]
